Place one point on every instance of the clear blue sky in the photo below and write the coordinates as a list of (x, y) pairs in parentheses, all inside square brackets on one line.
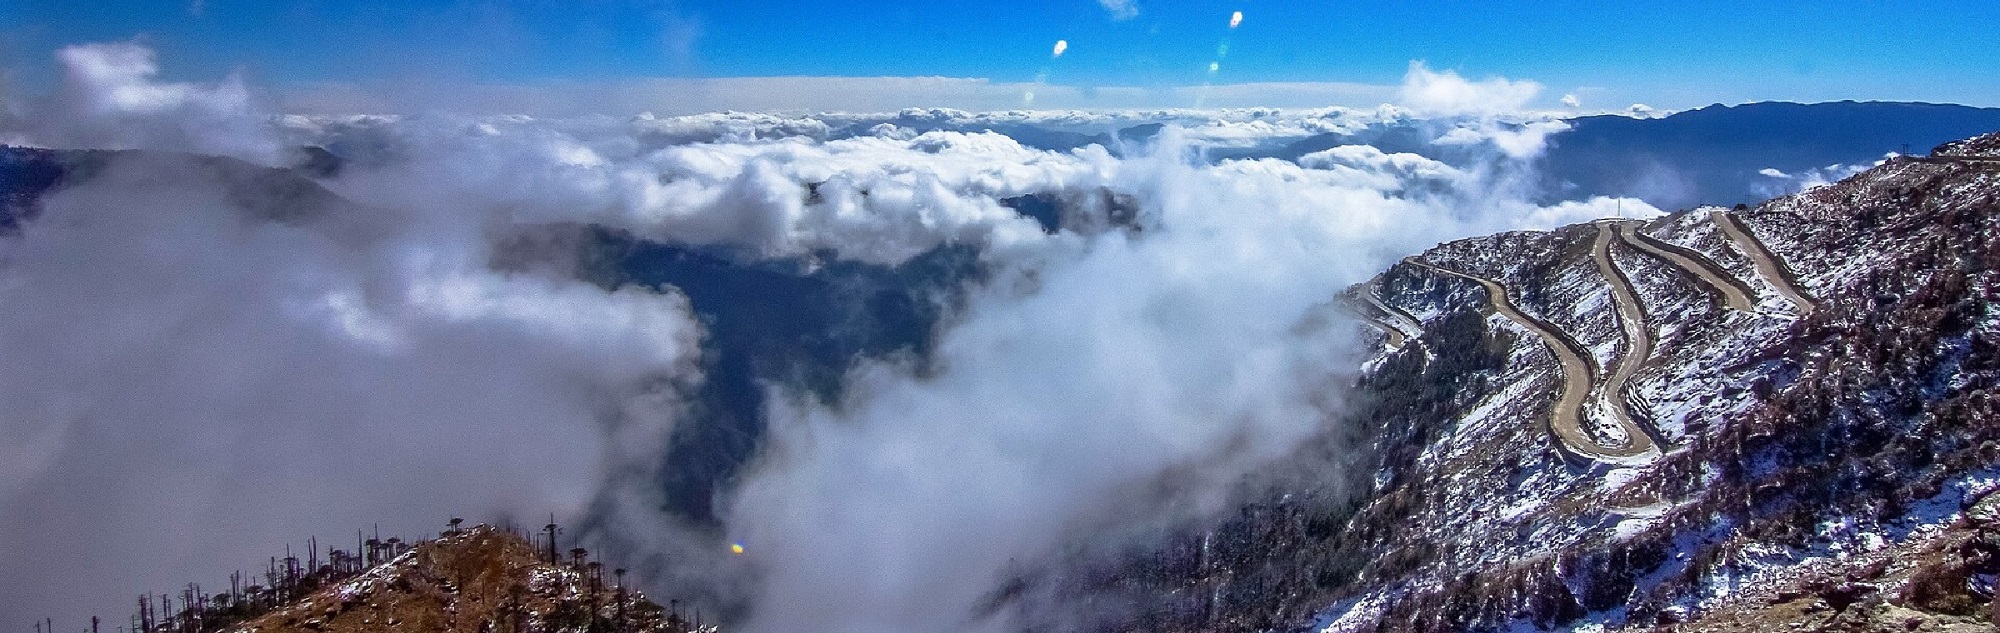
[(1675, 53)]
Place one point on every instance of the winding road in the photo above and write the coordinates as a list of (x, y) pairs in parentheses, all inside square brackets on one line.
[(1578, 371), (1631, 319), (1398, 321), (1568, 422), (1399, 326), (1734, 293), (1768, 266), (1396, 337)]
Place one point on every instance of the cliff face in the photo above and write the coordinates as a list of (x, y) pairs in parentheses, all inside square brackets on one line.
[(1719, 419)]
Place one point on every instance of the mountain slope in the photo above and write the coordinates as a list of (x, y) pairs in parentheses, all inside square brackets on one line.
[(1714, 155), (479, 579), (1773, 415)]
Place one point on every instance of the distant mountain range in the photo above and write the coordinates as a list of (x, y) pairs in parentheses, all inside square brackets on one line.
[(1713, 155)]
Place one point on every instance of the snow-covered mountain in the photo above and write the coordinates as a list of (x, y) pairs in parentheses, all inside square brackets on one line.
[(1719, 420)]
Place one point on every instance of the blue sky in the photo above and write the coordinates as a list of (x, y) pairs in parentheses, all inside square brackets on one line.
[(1672, 54)]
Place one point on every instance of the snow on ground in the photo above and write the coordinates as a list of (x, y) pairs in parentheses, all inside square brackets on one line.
[(1356, 615)]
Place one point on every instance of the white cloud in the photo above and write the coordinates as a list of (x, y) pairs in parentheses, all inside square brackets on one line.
[(242, 383), (1089, 372), (1643, 111), (1168, 350), (1120, 9), (190, 343), (1446, 93), (1516, 138), (1571, 101), (1597, 208), (110, 98), (1782, 183), (1062, 396)]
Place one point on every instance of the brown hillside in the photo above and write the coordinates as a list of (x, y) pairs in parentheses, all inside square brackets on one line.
[(480, 580)]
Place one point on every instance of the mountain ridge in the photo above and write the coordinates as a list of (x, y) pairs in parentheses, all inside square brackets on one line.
[(1830, 428)]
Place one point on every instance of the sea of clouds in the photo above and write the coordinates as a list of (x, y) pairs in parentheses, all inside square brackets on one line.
[(189, 381)]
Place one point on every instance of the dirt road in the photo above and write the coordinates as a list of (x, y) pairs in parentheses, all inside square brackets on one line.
[(1632, 319), (1579, 372), (1734, 294), (1768, 265)]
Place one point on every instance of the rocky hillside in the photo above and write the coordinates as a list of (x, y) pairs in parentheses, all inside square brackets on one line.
[(482, 579), (1717, 420)]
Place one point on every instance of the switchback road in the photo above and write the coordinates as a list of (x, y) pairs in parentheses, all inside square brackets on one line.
[(1579, 372), (1768, 265), (1734, 294)]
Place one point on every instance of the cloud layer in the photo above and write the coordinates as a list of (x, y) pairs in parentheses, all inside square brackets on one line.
[(192, 368), (198, 370)]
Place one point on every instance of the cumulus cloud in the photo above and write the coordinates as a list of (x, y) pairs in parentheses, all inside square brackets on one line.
[(1600, 207), (1643, 111), (872, 198), (1446, 93), (110, 98)]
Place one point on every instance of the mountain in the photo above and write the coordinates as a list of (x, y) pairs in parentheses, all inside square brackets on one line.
[(1722, 419), (467, 580), (1717, 154), (800, 321), (1713, 155), (803, 321), (1717, 420), (268, 193)]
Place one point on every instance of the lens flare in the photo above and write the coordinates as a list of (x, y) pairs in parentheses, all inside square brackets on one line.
[(1235, 19), (735, 548), (1061, 45)]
